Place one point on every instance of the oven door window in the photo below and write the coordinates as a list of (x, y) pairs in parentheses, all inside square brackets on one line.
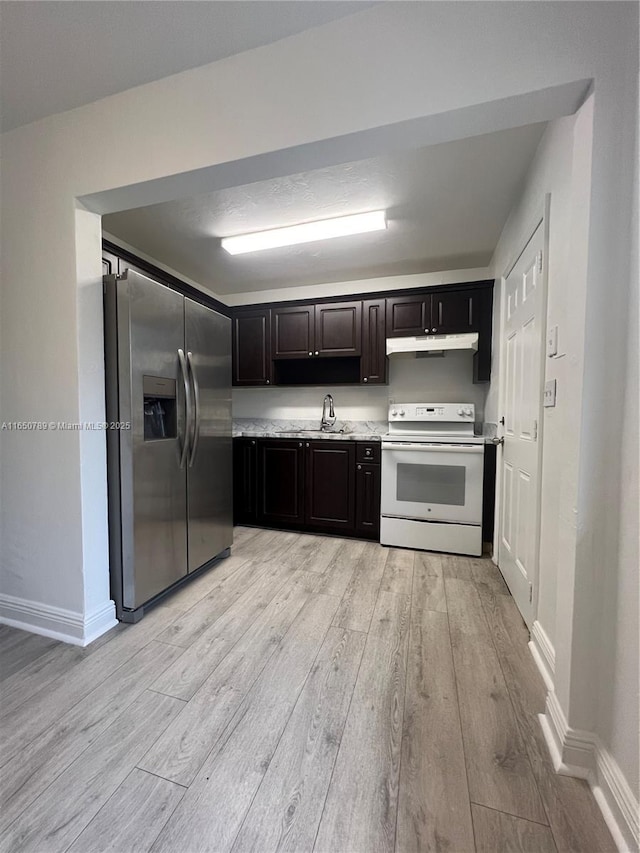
[(431, 484)]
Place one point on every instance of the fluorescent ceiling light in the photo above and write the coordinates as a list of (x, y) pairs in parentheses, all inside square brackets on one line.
[(307, 232)]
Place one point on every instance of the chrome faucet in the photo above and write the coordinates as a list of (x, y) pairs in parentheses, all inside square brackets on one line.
[(328, 420)]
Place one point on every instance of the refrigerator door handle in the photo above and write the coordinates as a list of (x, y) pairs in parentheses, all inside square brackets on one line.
[(187, 397), (196, 409)]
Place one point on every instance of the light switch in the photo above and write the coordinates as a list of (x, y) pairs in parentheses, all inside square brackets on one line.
[(552, 341), (549, 393)]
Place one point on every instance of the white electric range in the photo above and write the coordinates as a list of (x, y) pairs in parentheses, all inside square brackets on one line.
[(432, 474)]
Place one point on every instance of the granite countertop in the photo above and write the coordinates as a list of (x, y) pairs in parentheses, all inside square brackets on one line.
[(341, 431)]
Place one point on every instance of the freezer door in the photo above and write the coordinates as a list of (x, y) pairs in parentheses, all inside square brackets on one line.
[(209, 466), (152, 398)]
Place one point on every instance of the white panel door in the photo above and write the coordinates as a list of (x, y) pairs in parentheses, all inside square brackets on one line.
[(523, 340)]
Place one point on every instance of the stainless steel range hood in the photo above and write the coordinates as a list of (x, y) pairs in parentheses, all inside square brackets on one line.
[(432, 343)]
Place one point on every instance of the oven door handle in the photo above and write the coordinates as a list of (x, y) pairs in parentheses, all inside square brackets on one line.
[(435, 448)]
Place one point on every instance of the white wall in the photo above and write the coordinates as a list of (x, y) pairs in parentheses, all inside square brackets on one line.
[(367, 285), (619, 635), (386, 65), (596, 649), (552, 171)]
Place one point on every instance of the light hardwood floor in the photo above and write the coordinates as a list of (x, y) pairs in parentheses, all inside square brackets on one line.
[(307, 694)]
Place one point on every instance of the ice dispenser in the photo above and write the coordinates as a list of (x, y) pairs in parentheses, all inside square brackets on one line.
[(160, 414)]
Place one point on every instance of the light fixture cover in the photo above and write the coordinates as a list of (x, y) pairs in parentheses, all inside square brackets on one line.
[(307, 232)]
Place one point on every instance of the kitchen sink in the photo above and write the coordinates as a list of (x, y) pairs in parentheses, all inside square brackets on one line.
[(317, 431)]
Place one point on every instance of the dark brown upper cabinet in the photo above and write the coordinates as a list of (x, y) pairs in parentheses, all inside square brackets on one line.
[(338, 329), (455, 312), (344, 342), (307, 331), (292, 331), (252, 347), (447, 312), (373, 364), (408, 315)]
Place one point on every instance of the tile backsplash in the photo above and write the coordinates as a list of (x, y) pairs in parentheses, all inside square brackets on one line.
[(445, 379)]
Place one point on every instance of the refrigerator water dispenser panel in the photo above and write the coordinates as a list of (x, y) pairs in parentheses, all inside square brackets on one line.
[(160, 414)]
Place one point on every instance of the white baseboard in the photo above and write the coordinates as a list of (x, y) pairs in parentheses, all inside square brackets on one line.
[(101, 620), (68, 626), (582, 754), (544, 654)]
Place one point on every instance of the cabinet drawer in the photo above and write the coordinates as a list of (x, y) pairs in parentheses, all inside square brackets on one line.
[(368, 451)]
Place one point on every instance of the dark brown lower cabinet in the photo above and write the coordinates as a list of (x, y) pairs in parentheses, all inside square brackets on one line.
[(368, 500), (280, 478), (245, 480), (330, 484), (324, 486)]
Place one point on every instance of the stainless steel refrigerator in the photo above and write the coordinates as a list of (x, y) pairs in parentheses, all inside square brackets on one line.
[(169, 447)]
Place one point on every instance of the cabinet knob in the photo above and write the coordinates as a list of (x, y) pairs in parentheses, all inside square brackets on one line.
[(367, 452), (366, 379), (307, 444), (317, 353), (253, 442), (426, 331), (299, 444), (310, 353), (434, 330), (268, 382), (359, 467)]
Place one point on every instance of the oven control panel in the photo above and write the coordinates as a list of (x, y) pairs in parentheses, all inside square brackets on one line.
[(428, 411), (437, 412)]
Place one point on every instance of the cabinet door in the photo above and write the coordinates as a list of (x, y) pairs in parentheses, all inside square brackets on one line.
[(373, 364), (252, 347), (368, 500), (281, 482), (292, 332), (483, 307), (245, 481), (455, 312), (330, 487), (338, 329), (408, 315)]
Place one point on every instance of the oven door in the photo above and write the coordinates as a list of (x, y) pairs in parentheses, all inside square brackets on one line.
[(432, 482)]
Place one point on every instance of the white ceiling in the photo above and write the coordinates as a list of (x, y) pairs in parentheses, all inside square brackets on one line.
[(55, 56), (447, 205)]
